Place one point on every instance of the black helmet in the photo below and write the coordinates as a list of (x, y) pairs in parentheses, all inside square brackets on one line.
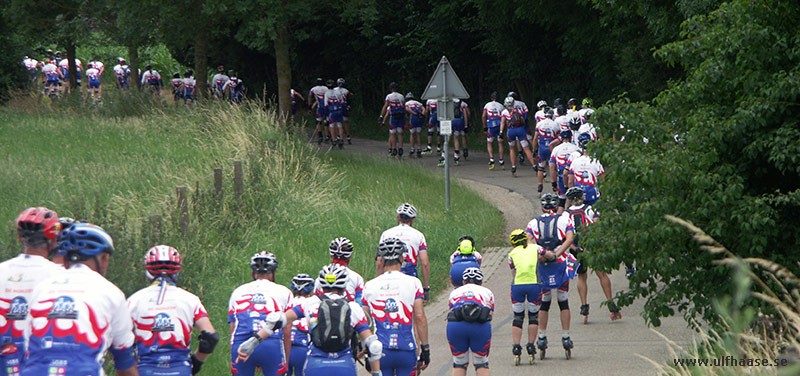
[(548, 113), (575, 193), (340, 82), (557, 102), (329, 83), (221, 68), (561, 110), (393, 86), (231, 72), (572, 102), (549, 201), (148, 67), (493, 96), (176, 75), (565, 134), (575, 123), (318, 80)]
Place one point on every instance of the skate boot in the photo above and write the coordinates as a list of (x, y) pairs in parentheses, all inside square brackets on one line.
[(513, 171), (555, 187), (441, 162), (419, 153), (390, 152), (567, 343), (455, 161), (521, 159), (466, 153), (491, 164), (394, 153), (531, 348), (541, 343), (327, 139), (428, 150), (502, 164), (341, 144), (438, 149), (585, 313), (615, 315), (400, 153), (517, 351), (539, 188), (349, 141)]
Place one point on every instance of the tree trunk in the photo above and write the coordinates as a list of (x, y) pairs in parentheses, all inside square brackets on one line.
[(283, 65), (133, 56), (73, 69), (201, 62)]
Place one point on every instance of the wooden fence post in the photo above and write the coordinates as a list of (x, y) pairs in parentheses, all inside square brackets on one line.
[(238, 179), (218, 183), (183, 209)]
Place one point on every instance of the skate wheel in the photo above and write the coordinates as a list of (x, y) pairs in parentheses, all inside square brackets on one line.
[(531, 360), (568, 353), (541, 355), (586, 320), (516, 361)]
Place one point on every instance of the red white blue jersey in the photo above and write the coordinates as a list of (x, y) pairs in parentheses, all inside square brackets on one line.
[(547, 130), (345, 93), (150, 77), (98, 65), (30, 64), (18, 277), (539, 116), (431, 104), (396, 102), (561, 153), (121, 71), (564, 224), (563, 122), (163, 317), (189, 83), (471, 293), (522, 107), (251, 303), (588, 128), (64, 64), (50, 71), (353, 288), (75, 316), (309, 309), (415, 107), (300, 330), (333, 97), (390, 298), (494, 112), (414, 241), (591, 215), (582, 112), (93, 74), (318, 92), (475, 256), (176, 84), (219, 80), (586, 170)]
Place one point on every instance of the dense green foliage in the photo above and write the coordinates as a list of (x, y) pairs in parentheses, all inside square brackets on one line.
[(118, 172), (733, 170)]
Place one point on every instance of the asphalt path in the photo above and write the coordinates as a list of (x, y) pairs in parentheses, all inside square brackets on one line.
[(602, 347)]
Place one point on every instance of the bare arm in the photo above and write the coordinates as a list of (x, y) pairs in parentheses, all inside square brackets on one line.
[(421, 325), (287, 339), (133, 371), (483, 117), (566, 244), (384, 113), (203, 324), (426, 267)]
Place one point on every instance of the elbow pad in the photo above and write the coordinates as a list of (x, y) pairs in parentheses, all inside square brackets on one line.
[(374, 348), (274, 320), (208, 341)]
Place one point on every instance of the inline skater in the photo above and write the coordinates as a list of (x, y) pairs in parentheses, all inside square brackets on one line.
[(188, 86), (346, 94), (93, 84), (32, 67), (582, 216), (525, 291), (523, 109), (53, 78), (433, 126), (546, 131), (77, 301), (37, 232), (177, 87), (63, 64), (515, 123), (235, 87), (296, 98), (558, 166), (540, 114), (395, 300), (329, 351), (248, 311), (394, 108), (416, 247), (164, 315), (302, 288), (492, 116), (341, 250), (460, 123), (554, 233), (218, 80), (334, 106), (416, 115), (121, 73), (151, 79), (469, 325), (466, 256), (316, 97), (584, 171)]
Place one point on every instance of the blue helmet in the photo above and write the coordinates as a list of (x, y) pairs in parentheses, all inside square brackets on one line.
[(82, 241), (584, 139), (565, 134)]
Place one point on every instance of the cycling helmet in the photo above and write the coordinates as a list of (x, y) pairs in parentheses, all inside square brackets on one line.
[(319, 80), (232, 73), (263, 262), (66, 222), (58, 53), (408, 210), (587, 102), (329, 83), (82, 241), (518, 237), (88, 65), (575, 123), (409, 95), (548, 113), (542, 103), (466, 237), (302, 284), (48, 51), (565, 134), (549, 201), (493, 96), (36, 226), (341, 248), (466, 247), (162, 261), (176, 75), (393, 86), (221, 68), (584, 139), (472, 275), (148, 67), (509, 101), (572, 102), (588, 115), (340, 82), (122, 61), (514, 95), (333, 276), (557, 102), (391, 249), (575, 193)]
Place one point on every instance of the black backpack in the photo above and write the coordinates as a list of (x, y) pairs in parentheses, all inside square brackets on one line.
[(548, 232), (333, 332), (516, 118), (457, 113), (580, 219)]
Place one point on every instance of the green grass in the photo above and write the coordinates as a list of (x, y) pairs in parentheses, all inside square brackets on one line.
[(119, 171)]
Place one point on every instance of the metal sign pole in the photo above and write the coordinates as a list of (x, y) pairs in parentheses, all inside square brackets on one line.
[(446, 142)]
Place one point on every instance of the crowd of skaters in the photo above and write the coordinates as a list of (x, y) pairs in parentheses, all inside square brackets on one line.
[(53, 71)]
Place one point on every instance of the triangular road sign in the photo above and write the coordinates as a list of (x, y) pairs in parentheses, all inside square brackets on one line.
[(444, 83)]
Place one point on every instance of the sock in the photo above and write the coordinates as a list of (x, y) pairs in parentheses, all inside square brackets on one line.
[(542, 333), (565, 334)]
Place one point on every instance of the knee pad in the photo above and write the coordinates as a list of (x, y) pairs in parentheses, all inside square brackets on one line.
[(563, 305), (461, 360), (541, 165), (518, 319), (518, 307), (392, 131), (563, 295), (533, 319), (489, 139), (399, 130), (482, 365), (533, 309), (545, 306), (524, 143), (430, 131)]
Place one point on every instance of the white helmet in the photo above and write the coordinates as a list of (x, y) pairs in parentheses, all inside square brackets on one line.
[(509, 102), (341, 248), (408, 210), (333, 276), (542, 103)]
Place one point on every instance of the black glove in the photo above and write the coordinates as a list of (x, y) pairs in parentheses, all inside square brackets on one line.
[(426, 293), (485, 129), (500, 136), (196, 365), (425, 355)]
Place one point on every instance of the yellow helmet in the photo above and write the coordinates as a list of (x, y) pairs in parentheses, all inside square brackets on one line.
[(518, 237), (466, 247)]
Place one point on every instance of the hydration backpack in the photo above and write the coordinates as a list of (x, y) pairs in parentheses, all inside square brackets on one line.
[(516, 118), (580, 219), (548, 232), (457, 113), (332, 332)]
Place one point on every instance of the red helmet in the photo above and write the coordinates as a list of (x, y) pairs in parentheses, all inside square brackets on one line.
[(162, 260), (38, 225)]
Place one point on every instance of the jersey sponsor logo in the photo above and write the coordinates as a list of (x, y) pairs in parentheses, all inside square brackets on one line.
[(63, 308), (18, 310), (162, 323), (258, 298), (391, 305)]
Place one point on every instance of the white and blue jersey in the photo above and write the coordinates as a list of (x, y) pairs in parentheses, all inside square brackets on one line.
[(586, 171), (93, 76), (219, 80), (18, 277), (414, 241), (318, 92), (51, 74), (75, 316), (396, 109), (433, 119), (416, 109), (559, 157), (459, 263), (353, 288), (466, 336), (334, 105), (163, 316), (494, 113)]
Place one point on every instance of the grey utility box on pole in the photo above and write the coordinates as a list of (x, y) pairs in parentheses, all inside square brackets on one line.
[(444, 86)]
